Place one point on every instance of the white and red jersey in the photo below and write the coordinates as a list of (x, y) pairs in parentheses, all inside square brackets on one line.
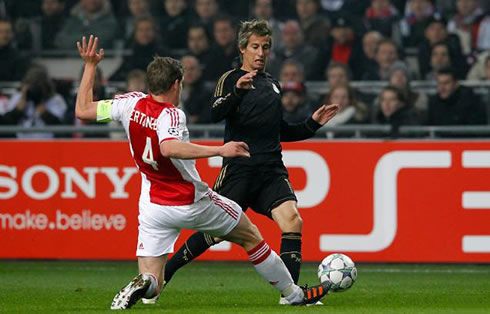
[(165, 181)]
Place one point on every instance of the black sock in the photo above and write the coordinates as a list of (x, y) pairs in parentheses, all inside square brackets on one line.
[(197, 244), (291, 253)]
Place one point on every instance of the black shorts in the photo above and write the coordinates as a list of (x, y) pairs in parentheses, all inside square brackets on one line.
[(261, 187)]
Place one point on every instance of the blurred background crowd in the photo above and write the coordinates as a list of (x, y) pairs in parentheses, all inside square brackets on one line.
[(396, 62)]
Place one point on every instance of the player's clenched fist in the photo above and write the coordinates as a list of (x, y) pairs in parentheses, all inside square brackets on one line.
[(235, 149)]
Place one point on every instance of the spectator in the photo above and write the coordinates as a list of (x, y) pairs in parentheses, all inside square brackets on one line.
[(294, 106), (198, 43), (454, 104), (370, 42), (174, 26), (40, 32), (89, 17), (195, 97), (465, 23), (350, 110), (224, 55), (483, 38), (417, 101), (295, 48), (144, 47), (477, 71), (337, 74), (136, 81), (413, 25), (292, 71), (394, 110), (36, 104), (436, 32), (342, 44), (12, 64), (137, 9), (264, 10), (382, 16), (314, 26), (386, 55), (207, 11), (439, 59)]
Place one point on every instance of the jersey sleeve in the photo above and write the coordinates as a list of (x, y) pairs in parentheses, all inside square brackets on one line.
[(171, 125), (118, 108), (226, 96)]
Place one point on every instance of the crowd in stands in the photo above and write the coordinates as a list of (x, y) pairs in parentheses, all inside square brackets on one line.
[(331, 41)]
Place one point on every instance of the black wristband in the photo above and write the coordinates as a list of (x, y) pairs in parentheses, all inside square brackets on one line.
[(239, 92), (312, 125)]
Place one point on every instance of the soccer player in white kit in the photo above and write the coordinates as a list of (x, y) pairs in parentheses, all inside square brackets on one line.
[(172, 194)]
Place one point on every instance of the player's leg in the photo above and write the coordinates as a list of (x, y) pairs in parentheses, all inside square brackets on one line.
[(146, 284), (158, 230), (266, 262), (287, 217), (233, 183), (276, 200)]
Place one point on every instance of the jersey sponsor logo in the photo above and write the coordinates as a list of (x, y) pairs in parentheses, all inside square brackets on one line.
[(275, 88)]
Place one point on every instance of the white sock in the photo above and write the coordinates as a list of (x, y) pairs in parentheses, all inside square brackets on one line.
[(152, 289), (272, 268)]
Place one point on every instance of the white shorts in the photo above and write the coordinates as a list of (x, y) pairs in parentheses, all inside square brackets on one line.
[(159, 226)]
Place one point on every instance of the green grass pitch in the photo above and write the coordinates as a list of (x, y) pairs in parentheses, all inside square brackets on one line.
[(206, 287)]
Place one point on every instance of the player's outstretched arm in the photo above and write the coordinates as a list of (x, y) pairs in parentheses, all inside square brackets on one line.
[(183, 150), (86, 108)]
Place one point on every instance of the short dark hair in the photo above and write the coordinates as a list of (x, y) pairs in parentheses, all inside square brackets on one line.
[(448, 71), (161, 74), (398, 92), (199, 26)]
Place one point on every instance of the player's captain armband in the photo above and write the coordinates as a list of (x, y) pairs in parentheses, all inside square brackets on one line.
[(104, 110)]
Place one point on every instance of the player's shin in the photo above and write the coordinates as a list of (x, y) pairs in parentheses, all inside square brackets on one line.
[(291, 253), (271, 268), (197, 244)]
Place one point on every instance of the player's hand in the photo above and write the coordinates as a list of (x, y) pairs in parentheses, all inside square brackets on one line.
[(323, 114), (234, 149), (88, 52), (246, 81)]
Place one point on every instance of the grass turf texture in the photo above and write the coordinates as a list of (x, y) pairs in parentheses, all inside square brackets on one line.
[(205, 287)]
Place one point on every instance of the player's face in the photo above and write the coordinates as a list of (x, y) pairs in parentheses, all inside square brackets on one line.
[(256, 53)]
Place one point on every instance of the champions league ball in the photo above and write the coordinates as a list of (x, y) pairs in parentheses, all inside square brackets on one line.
[(339, 270)]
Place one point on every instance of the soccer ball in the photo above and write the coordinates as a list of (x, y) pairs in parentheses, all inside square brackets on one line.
[(339, 270)]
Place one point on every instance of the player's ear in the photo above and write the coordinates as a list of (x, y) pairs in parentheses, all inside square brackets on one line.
[(176, 84)]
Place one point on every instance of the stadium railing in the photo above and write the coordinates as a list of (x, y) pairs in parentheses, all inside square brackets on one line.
[(210, 131)]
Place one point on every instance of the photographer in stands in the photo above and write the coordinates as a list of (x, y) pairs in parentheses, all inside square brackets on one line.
[(36, 104)]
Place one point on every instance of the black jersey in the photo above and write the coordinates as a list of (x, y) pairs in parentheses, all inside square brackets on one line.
[(254, 116)]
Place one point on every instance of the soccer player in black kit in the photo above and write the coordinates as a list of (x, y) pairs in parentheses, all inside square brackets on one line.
[(250, 101)]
